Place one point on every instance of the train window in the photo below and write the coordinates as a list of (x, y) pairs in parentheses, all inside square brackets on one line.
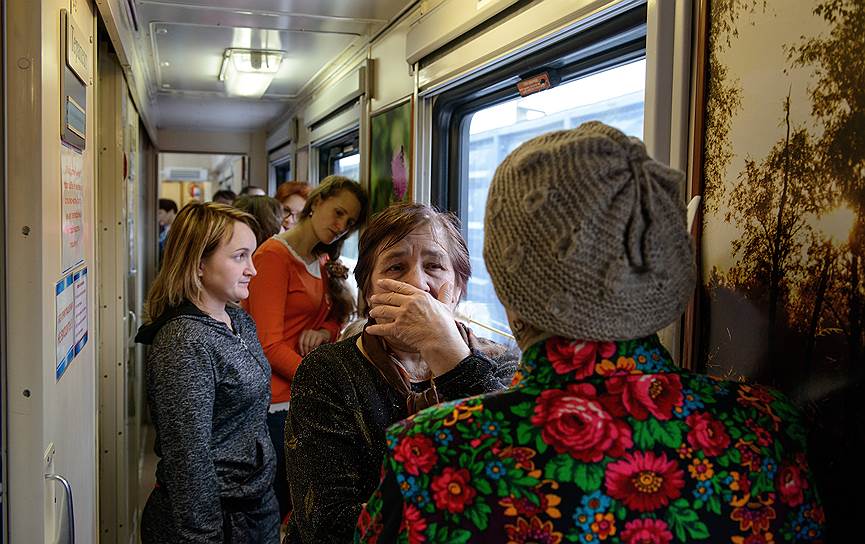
[(340, 156), (602, 73), (614, 96), (348, 166), (282, 171)]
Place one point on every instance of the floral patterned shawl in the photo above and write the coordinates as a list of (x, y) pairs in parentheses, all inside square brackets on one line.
[(599, 442)]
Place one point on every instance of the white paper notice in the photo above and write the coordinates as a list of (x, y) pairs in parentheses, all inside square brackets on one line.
[(80, 283), (72, 208), (64, 297)]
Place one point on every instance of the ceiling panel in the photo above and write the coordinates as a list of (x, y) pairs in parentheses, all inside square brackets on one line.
[(189, 56), (381, 10), (185, 41), (215, 113)]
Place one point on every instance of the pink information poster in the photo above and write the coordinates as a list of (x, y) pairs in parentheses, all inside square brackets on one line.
[(72, 206)]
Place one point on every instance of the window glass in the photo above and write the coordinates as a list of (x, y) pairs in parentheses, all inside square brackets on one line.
[(282, 172), (614, 96), (348, 166)]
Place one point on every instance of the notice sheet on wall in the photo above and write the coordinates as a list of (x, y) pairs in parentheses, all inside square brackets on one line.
[(70, 295), (64, 298), (72, 207), (80, 283)]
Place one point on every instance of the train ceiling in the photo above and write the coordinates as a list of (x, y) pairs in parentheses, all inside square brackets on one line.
[(185, 41)]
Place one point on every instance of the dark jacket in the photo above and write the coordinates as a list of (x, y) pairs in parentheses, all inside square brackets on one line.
[(335, 432), (600, 442), (209, 390)]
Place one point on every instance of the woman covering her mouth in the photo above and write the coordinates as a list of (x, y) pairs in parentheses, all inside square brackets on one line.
[(413, 267)]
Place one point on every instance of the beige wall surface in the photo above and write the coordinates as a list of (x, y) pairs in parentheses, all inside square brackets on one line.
[(44, 412), (251, 144), (392, 79)]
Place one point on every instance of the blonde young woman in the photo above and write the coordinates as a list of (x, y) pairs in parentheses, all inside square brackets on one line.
[(208, 387), (299, 299)]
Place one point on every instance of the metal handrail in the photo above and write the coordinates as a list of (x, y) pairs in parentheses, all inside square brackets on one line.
[(70, 514)]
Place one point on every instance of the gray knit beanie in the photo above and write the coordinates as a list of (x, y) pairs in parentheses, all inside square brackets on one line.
[(585, 236)]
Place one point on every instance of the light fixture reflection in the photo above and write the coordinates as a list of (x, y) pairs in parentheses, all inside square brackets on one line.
[(249, 72)]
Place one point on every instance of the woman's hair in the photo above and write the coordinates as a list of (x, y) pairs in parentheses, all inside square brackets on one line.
[(289, 188), (398, 221), (267, 212), (226, 196), (343, 305), (330, 187), (196, 233)]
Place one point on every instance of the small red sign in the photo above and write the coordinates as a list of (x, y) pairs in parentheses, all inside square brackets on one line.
[(534, 84)]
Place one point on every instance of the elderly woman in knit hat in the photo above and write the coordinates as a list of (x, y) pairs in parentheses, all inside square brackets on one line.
[(601, 437)]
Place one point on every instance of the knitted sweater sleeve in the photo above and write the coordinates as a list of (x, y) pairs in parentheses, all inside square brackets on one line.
[(181, 383), (477, 374), (325, 443)]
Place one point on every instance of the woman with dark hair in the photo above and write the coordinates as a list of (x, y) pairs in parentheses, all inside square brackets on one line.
[(292, 195), (297, 299), (413, 269), (602, 438), (208, 388), (267, 212)]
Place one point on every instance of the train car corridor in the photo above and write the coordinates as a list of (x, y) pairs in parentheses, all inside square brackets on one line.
[(432, 271)]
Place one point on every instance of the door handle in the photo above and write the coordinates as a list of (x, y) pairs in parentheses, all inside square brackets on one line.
[(132, 326), (70, 515)]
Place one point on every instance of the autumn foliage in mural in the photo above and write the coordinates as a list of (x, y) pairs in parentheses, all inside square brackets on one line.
[(785, 305)]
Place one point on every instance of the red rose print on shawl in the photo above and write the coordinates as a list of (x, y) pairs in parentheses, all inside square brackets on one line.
[(417, 453), (574, 421), (413, 523), (648, 395), (577, 357), (707, 434), (451, 490), (791, 484)]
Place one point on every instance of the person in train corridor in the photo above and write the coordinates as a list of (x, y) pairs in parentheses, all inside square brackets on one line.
[(292, 195), (601, 438), (413, 268), (299, 299), (208, 388), (164, 218), (268, 214)]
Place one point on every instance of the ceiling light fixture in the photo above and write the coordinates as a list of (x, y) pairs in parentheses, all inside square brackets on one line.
[(249, 72)]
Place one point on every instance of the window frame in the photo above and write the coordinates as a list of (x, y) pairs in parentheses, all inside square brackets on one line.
[(343, 146), (608, 44)]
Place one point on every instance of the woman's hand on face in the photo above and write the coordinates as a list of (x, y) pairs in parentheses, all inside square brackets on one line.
[(310, 339), (417, 319)]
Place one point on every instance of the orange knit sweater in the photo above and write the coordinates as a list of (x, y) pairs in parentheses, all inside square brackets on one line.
[(285, 300)]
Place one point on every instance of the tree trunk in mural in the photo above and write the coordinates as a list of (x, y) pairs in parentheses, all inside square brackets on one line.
[(819, 298), (855, 333), (777, 271)]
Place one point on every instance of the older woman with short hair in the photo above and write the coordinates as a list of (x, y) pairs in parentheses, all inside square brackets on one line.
[(602, 438), (413, 269)]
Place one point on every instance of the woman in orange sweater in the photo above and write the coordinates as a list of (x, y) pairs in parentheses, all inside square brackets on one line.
[(296, 302)]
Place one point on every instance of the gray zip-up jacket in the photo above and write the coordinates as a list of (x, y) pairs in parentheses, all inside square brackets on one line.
[(209, 390)]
